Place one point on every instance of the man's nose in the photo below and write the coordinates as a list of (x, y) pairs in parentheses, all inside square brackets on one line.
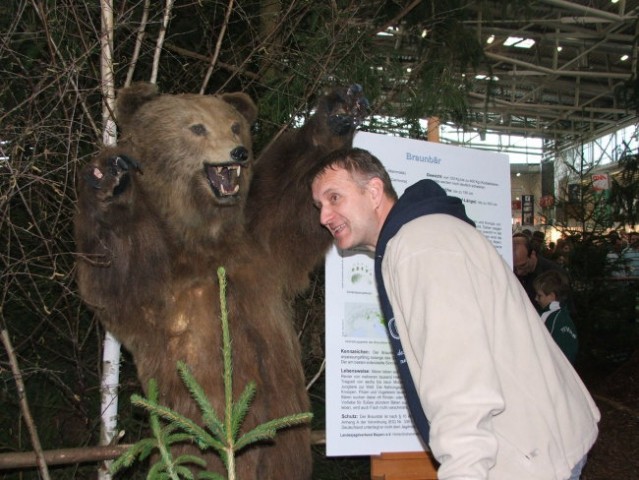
[(325, 215)]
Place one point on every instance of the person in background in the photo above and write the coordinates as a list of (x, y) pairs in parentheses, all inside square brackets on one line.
[(538, 240), (614, 258), (630, 255), (528, 264), (552, 289), (488, 389)]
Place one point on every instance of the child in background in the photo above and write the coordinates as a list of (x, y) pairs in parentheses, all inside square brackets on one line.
[(552, 289)]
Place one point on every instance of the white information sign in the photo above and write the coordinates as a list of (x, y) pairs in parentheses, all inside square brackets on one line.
[(366, 413)]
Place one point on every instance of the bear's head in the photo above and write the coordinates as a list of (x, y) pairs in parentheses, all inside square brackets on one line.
[(195, 152)]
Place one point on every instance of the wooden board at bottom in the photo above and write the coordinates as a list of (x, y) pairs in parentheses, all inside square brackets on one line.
[(403, 466)]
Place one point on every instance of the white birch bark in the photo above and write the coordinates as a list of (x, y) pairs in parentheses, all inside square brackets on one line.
[(111, 348)]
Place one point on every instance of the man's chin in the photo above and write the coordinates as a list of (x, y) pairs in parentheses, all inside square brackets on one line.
[(343, 244)]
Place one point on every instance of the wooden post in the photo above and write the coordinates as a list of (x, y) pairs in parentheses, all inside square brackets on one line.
[(432, 130), (404, 466)]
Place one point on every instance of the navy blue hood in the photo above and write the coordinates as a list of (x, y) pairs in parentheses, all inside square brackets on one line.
[(423, 198)]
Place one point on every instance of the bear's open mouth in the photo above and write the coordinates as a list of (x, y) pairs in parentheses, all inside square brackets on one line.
[(224, 179)]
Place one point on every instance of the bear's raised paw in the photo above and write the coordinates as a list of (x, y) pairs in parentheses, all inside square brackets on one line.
[(110, 177), (348, 111)]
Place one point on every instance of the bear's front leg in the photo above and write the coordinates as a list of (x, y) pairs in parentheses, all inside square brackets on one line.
[(123, 262), (280, 211), (346, 109)]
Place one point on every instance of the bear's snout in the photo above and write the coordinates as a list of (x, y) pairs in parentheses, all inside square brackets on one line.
[(240, 154)]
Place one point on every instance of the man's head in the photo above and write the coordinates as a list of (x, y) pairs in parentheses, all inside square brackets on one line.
[(538, 240), (354, 194), (524, 256)]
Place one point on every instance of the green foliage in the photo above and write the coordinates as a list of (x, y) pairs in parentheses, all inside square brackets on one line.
[(220, 435), (605, 304), (624, 194)]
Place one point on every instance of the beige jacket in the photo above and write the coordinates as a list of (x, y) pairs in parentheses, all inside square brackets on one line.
[(502, 400)]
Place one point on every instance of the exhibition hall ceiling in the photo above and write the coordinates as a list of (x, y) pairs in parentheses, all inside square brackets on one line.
[(567, 85), (560, 70)]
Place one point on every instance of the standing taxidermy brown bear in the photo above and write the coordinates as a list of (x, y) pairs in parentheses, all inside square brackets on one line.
[(182, 195)]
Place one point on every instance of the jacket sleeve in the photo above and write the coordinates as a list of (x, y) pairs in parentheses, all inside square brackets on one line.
[(436, 303)]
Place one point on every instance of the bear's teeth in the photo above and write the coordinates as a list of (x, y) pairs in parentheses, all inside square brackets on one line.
[(227, 179), (227, 192), (236, 168)]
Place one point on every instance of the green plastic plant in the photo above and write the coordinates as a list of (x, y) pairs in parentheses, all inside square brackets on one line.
[(222, 436)]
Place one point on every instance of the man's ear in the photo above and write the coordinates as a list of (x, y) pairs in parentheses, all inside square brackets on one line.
[(375, 187)]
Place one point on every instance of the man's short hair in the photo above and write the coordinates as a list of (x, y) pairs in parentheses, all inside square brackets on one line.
[(362, 164), (553, 281), (523, 239)]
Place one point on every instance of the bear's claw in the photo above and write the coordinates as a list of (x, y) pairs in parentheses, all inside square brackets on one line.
[(352, 108), (357, 104), (113, 176), (121, 164)]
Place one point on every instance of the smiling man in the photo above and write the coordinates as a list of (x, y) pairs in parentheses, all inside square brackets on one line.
[(353, 206), (488, 389)]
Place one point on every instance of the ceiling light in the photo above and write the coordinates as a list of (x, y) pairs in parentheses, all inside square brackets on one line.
[(624, 58), (559, 49), (490, 39), (519, 42)]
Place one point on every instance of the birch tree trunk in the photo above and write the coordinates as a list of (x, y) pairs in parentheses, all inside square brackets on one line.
[(111, 348)]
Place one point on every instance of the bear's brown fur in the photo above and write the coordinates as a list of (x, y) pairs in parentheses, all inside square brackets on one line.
[(161, 212)]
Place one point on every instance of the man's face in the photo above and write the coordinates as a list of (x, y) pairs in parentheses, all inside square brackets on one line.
[(347, 209), (522, 263)]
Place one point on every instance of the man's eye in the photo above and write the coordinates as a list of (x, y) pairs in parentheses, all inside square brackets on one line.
[(334, 198)]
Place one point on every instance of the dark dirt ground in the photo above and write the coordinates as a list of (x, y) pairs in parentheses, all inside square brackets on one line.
[(615, 455)]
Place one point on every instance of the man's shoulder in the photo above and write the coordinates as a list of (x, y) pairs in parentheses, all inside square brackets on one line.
[(441, 232), (442, 219), (438, 227)]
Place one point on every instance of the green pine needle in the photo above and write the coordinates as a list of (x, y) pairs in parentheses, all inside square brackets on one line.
[(241, 407)]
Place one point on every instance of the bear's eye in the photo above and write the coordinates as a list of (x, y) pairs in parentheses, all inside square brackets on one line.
[(198, 129), (236, 128)]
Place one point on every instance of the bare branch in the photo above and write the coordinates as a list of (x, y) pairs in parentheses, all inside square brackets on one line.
[(138, 43), (24, 405), (160, 40), (218, 46)]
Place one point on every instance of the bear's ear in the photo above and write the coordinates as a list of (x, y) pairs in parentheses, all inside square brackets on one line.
[(130, 99), (243, 104)]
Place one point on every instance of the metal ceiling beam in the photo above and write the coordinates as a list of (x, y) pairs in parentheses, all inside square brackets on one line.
[(552, 109), (557, 72), (588, 10)]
